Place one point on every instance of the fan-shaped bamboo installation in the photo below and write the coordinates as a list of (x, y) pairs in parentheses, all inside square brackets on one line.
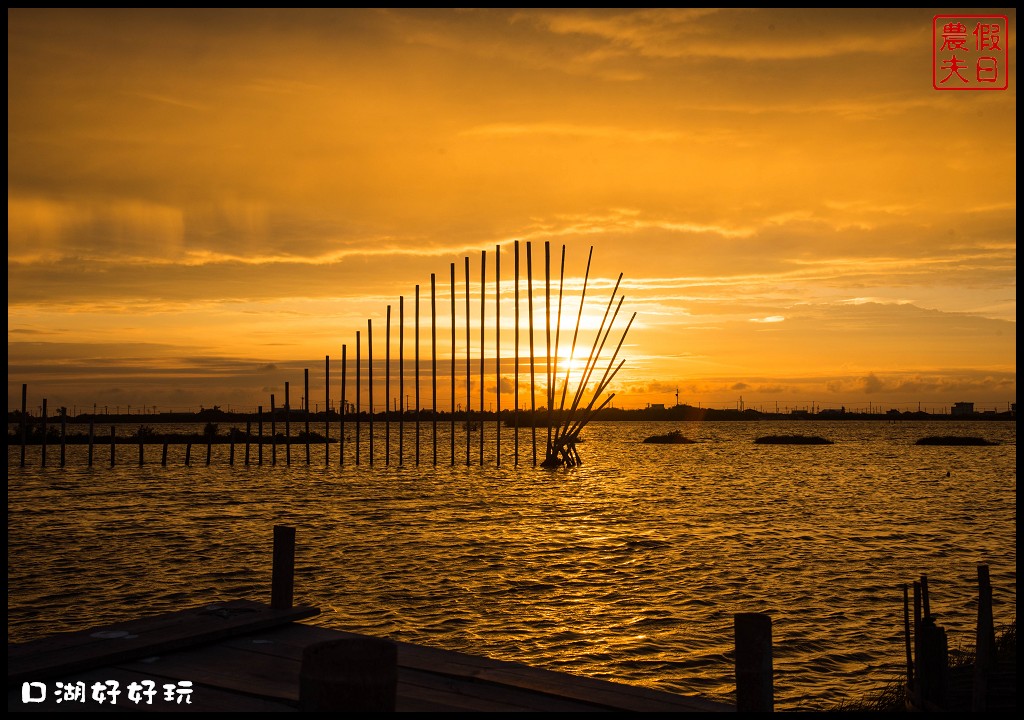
[(566, 415)]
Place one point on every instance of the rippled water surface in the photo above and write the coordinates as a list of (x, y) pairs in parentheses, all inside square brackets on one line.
[(629, 568)]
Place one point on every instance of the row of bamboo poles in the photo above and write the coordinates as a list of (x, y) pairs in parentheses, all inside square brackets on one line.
[(563, 425)]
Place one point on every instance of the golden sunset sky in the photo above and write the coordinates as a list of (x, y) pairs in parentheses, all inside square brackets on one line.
[(201, 204)]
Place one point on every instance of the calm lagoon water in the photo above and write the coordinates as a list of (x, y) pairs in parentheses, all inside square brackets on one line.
[(628, 568)]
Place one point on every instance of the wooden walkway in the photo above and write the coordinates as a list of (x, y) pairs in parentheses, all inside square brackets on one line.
[(244, 656)]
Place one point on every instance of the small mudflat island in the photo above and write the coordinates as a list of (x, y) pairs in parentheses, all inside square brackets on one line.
[(792, 440), (675, 437), (954, 440)]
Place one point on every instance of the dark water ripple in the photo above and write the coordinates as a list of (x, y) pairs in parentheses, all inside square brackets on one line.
[(629, 568)]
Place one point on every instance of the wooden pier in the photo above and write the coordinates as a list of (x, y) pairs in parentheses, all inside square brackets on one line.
[(245, 656)]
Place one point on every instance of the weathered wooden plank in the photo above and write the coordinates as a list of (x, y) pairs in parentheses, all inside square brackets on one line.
[(70, 652), (290, 639)]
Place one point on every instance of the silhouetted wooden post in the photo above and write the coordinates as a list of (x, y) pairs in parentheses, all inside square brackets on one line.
[(359, 394), (547, 347), (24, 420), (63, 435), (259, 435), (341, 415), (358, 674), (497, 354), (113, 458), (985, 642), (248, 438), (273, 431), (369, 381), (401, 379), (42, 447), (188, 454), (416, 373), (387, 387), (282, 587), (231, 446), (433, 361), (483, 346), (327, 410), (163, 456), (515, 389), (469, 374), (306, 396), (533, 374), (754, 683), (92, 438), (209, 447), (287, 426), (452, 384)]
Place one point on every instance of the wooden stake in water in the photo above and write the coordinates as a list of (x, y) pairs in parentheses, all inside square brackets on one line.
[(359, 394), (273, 431), (24, 421), (306, 401), (327, 410), (248, 440), (344, 404), (416, 374), (497, 354), (547, 348), (259, 435), (433, 360), (369, 380), (533, 380), (42, 448), (401, 379), (469, 372), (452, 409), (483, 305), (515, 389), (64, 436), (387, 388), (288, 426)]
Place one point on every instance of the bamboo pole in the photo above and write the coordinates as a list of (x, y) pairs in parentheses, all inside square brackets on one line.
[(305, 395), (547, 347), (344, 404), (575, 335), (259, 437), (416, 374), (497, 353), (515, 389), (42, 447), (387, 387), (273, 431), (248, 438), (231, 447), (24, 421), (327, 412), (64, 435), (452, 383), (359, 394), (553, 376), (483, 305), (533, 378), (469, 372), (287, 425), (369, 380), (401, 380), (433, 361)]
